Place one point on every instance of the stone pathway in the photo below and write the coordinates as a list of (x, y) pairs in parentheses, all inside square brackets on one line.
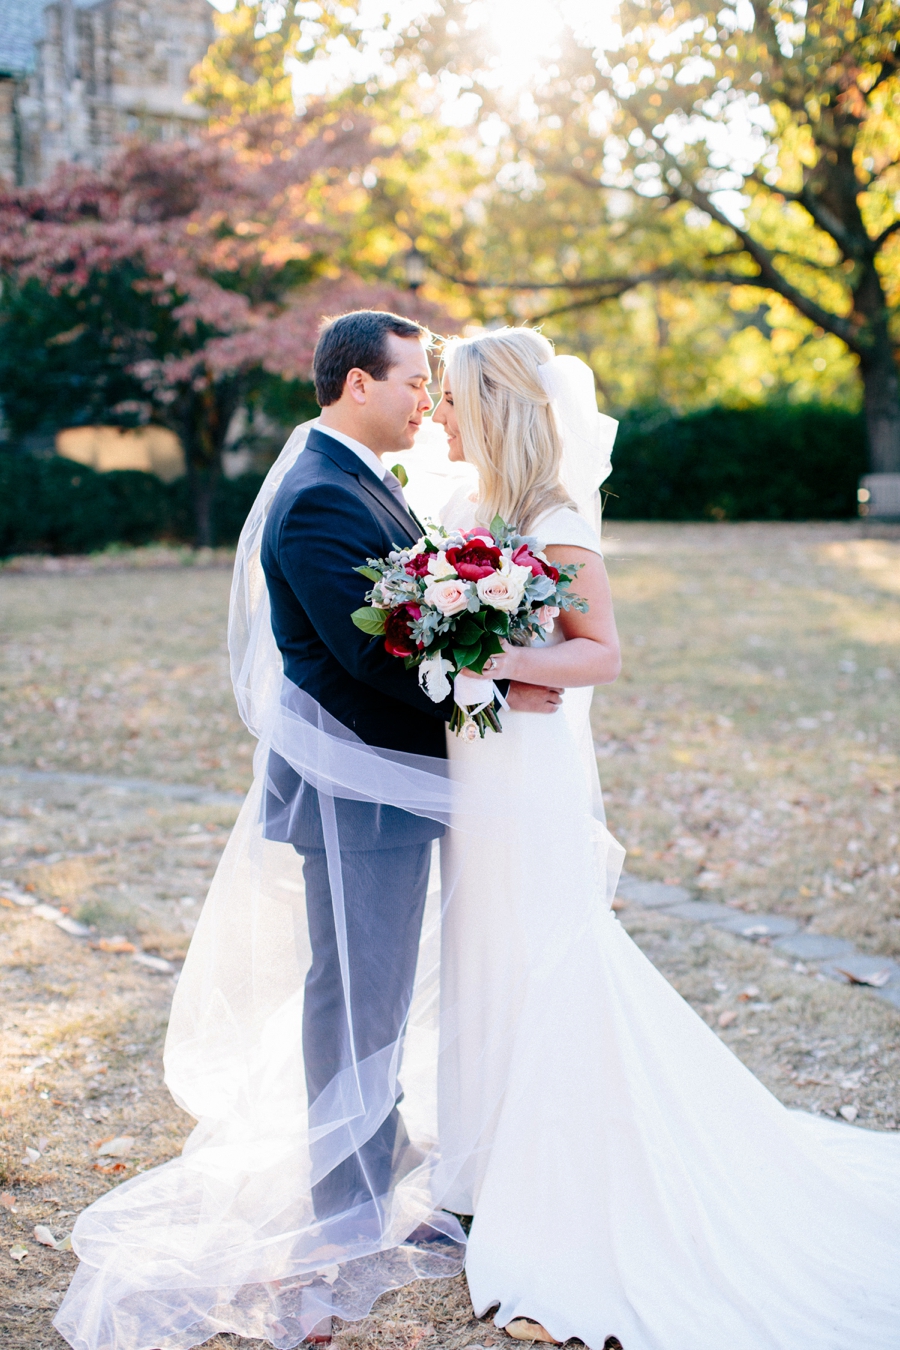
[(831, 957)]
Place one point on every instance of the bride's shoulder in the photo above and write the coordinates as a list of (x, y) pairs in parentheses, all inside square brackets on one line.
[(563, 525)]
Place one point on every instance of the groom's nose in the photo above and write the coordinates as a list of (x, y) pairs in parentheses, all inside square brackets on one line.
[(425, 404)]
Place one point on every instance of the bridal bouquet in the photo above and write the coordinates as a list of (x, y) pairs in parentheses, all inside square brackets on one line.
[(445, 604)]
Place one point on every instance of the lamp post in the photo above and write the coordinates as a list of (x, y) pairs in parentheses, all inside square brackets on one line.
[(414, 266)]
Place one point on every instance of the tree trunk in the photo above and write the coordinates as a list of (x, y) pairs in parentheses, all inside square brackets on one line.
[(203, 491), (206, 414), (881, 385)]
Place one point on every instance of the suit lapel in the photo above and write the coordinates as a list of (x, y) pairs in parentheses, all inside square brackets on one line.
[(345, 459)]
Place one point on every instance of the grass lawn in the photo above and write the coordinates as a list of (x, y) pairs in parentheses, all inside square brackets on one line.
[(749, 751)]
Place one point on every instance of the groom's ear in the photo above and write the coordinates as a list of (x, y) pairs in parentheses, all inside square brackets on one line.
[(355, 384)]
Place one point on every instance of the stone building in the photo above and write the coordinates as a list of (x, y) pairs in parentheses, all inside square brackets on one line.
[(77, 76)]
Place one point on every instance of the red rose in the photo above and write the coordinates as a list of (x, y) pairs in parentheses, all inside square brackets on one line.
[(474, 560), (397, 638), (523, 557), (417, 566)]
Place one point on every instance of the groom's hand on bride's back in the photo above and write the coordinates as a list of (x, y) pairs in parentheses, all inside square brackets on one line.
[(539, 698)]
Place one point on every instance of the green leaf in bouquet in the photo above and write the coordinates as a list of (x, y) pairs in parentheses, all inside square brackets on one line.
[(495, 621), (497, 526), (369, 573), (400, 474), (468, 634), (370, 620), (489, 646), (467, 656)]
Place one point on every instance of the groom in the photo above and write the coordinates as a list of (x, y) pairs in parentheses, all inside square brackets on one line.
[(337, 506)]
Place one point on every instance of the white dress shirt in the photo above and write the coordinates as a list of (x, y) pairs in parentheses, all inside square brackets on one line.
[(368, 457)]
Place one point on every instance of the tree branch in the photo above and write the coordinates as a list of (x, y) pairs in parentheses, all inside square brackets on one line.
[(882, 238), (619, 284), (689, 191)]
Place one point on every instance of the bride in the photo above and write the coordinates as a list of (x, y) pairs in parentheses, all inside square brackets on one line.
[(630, 1181)]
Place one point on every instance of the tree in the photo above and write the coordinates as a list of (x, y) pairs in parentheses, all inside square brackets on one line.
[(423, 177), (759, 144), (164, 286)]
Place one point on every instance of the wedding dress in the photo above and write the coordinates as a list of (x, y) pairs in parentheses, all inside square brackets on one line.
[(628, 1176)]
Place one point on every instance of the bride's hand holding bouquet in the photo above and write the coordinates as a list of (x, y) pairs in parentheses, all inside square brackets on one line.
[(453, 602)]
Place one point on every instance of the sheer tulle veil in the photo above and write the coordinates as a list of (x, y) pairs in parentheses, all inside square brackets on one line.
[(225, 1237)]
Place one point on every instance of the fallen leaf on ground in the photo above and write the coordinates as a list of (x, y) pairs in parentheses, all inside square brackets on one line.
[(8, 1201), (877, 980), (726, 1018), (117, 1147), (45, 1237), (750, 992), (849, 1113), (18, 1252), (523, 1329), (114, 945), (116, 1167), (31, 1156)]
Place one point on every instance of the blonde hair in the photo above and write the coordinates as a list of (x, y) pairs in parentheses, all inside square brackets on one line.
[(506, 424)]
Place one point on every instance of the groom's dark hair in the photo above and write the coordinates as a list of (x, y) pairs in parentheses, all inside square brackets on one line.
[(357, 341)]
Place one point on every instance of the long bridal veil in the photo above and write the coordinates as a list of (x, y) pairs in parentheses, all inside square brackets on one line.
[(227, 1237)]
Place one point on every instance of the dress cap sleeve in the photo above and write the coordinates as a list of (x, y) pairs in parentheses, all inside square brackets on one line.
[(562, 525)]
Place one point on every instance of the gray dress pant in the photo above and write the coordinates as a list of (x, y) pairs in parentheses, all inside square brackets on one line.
[(384, 899)]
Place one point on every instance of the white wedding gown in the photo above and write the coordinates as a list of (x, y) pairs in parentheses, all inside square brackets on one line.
[(633, 1178)]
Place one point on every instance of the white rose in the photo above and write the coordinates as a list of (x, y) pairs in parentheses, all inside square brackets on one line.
[(450, 597), (504, 589), (439, 568)]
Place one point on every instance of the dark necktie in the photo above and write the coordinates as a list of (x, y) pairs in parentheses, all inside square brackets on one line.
[(396, 491)]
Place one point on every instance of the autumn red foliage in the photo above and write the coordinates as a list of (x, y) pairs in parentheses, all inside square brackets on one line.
[(238, 241)]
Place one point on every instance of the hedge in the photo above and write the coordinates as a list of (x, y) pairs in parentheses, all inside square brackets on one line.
[(792, 463), (57, 506), (798, 462)]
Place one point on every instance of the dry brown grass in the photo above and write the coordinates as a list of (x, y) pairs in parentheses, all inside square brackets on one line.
[(750, 747)]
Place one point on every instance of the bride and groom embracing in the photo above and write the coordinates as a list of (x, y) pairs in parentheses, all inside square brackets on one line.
[(377, 1042)]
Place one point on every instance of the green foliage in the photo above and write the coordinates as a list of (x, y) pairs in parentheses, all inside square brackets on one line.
[(63, 360), (770, 463), (56, 506), (287, 402), (368, 618)]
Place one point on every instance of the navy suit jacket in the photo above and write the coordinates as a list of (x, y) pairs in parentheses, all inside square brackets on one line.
[(330, 514)]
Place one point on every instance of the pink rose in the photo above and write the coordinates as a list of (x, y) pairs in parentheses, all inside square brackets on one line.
[(449, 596), (545, 616), (504, 590)]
